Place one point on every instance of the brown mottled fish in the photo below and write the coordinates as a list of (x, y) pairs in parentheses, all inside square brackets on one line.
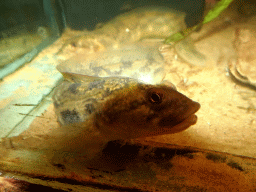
[(152, 22), (95, 110), (123, 108)]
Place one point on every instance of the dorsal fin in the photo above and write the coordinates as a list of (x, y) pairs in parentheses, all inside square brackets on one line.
[(78, 78)]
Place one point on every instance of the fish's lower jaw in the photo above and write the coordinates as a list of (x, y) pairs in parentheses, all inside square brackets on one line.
[(182, 126), (191, 120)]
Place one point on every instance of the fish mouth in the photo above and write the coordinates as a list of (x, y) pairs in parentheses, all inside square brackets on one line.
[(186, 123), (190, 114), (180, 123)]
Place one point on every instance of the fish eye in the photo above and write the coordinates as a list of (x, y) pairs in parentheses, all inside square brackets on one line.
[(155, 97)]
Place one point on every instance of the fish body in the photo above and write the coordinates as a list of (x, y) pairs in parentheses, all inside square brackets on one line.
[(132, 26), (123, 108)]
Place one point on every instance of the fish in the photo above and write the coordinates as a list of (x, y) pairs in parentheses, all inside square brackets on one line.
[(142, 61), (123, 108), (143, 23)]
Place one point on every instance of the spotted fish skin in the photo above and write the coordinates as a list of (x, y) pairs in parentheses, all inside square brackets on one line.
[(74, 102), (141, 61)]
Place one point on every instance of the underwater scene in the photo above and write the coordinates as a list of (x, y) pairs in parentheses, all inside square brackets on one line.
[(107, 98)]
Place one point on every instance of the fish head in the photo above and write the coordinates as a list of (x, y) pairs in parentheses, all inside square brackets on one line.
[(145, 110)]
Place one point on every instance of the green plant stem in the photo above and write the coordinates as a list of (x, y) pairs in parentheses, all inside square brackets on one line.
[(212, 14)]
